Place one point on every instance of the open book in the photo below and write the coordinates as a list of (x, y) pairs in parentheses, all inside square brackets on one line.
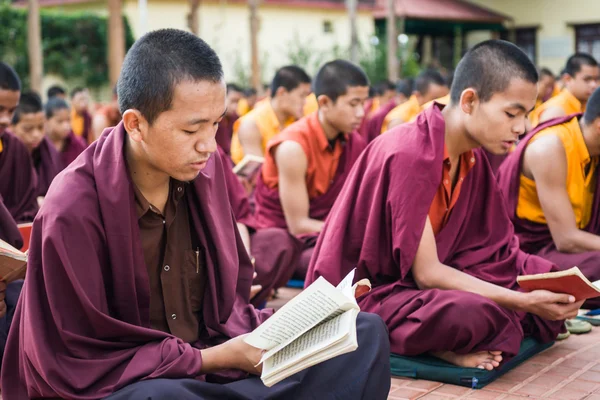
[(249, 166), (570, 281), (316, 325), (13, 263)]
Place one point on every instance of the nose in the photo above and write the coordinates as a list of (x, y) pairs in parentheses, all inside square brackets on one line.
[(360, 111), (5, 118), (206, 145)]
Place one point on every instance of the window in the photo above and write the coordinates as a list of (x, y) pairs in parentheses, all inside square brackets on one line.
[(525, 38), (327, 27), (587, 39)]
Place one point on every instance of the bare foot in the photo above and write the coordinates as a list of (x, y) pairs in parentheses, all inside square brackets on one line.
[(482, 360)]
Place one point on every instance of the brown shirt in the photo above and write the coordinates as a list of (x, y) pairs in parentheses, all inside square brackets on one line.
[(175, 265)]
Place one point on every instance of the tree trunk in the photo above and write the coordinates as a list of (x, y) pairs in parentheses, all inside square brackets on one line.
[(34, 44), (352, 5), (254, 27), (116, 40), (193, 21), (392, 42)]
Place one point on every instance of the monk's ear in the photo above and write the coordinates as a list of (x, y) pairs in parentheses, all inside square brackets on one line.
[(468, 100), (135, 124), (324, 101)]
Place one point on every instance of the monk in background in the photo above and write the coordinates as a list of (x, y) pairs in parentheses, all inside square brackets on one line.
[(58, 131), (580, 76), (383, 92), (29, 125), (247, 102), (81, 119), (138, 280), (551, 188), (307, 164), (56, 91), (428, 86), (422, 217), (106, 116), (252, 132), (225, 130)]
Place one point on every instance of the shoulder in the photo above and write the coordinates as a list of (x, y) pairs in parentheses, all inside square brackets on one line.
[(547, 149)]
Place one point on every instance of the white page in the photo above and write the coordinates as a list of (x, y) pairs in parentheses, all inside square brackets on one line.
[(314, 340), (346, 284), (317, 302)]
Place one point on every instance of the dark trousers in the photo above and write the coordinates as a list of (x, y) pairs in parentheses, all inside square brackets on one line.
[(13, 290), (361, 374)]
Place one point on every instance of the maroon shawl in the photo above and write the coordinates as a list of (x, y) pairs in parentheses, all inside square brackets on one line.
[(72, 148), (268, 205), (18, 179), (81, 329), (375, 122), (377, 222), (47, 162), (225, 132), (9, 232), (536, 238)]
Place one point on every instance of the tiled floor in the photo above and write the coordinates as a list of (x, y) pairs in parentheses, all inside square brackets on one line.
[(570, 370)]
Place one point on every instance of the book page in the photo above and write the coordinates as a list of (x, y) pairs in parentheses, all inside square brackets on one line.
[(313, 341), (315, 304), (346, 284)]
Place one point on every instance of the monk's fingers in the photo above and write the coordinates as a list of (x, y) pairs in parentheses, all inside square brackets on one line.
[(254, 275), (496, 353)]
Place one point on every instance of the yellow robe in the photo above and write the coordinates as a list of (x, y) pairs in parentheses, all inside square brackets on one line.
[(564, 99), (405, 111), (311, 105)]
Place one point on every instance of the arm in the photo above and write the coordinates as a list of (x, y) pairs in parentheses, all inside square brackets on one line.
[(430, 273), (292, 165), (395, 122), (243, 229), (551, 113), (546, 163), (250, 138), (99, 123)]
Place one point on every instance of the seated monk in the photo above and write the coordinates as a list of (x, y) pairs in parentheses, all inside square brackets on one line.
[(307, 164), (274, 250), (384, 92), (247, 102), (371, 128), (580, 78), (56, 91), (58, 130), (18, 179), (81, 120), (225, 130), (252, 132), (138, 281), (551, 191), (429, 85), (422, 217), (106, 116), (28, 124), (310, 105)]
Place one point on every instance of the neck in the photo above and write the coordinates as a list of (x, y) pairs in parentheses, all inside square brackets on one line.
[(58, 142), (590, 138), (281, 115), (456, 136), (151, 182), (330, 132)]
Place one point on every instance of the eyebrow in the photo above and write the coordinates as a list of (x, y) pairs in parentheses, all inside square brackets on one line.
[(521, 107), (203, 120)]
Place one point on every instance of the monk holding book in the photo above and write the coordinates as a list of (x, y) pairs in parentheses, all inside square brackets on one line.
[(307, 164), (422, 218), (138, 280), (551, 188)]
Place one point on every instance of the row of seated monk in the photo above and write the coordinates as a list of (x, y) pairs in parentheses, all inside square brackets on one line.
[(143, 253)]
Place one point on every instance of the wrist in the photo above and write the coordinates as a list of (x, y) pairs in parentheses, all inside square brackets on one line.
[(521, 301)]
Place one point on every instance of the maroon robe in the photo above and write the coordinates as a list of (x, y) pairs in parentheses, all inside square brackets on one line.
[(225, 132), (375, 122), (275, 250), (268, 204), (535, 238), (72, 148), (18, 179), (376, 226), (82, 324), (48, 164), (9, 232)]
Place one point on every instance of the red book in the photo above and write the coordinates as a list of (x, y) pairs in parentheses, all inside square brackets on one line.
[(570, 281), (25, 230)]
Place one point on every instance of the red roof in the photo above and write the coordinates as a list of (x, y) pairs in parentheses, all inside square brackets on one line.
[(441, 10)]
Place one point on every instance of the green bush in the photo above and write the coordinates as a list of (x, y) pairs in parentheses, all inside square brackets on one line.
[(74, 45)]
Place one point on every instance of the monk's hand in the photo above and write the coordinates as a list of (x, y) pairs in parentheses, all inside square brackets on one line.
[(552, 306), (2, 297), (246, 357), (254, 289)]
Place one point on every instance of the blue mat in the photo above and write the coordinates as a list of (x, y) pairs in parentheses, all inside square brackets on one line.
[(433, 369), (295, 283)]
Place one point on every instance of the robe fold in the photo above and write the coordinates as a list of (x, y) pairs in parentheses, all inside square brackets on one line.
[(275, 250), (9, 232), (18, 179), (535, 238), (47, 163), (82, 328), (376, 226)]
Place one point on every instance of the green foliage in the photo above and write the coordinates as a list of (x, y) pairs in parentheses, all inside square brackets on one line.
[(74, 45)]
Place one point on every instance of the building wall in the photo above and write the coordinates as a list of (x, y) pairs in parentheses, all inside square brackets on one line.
[(283, 30), (555, 19)]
